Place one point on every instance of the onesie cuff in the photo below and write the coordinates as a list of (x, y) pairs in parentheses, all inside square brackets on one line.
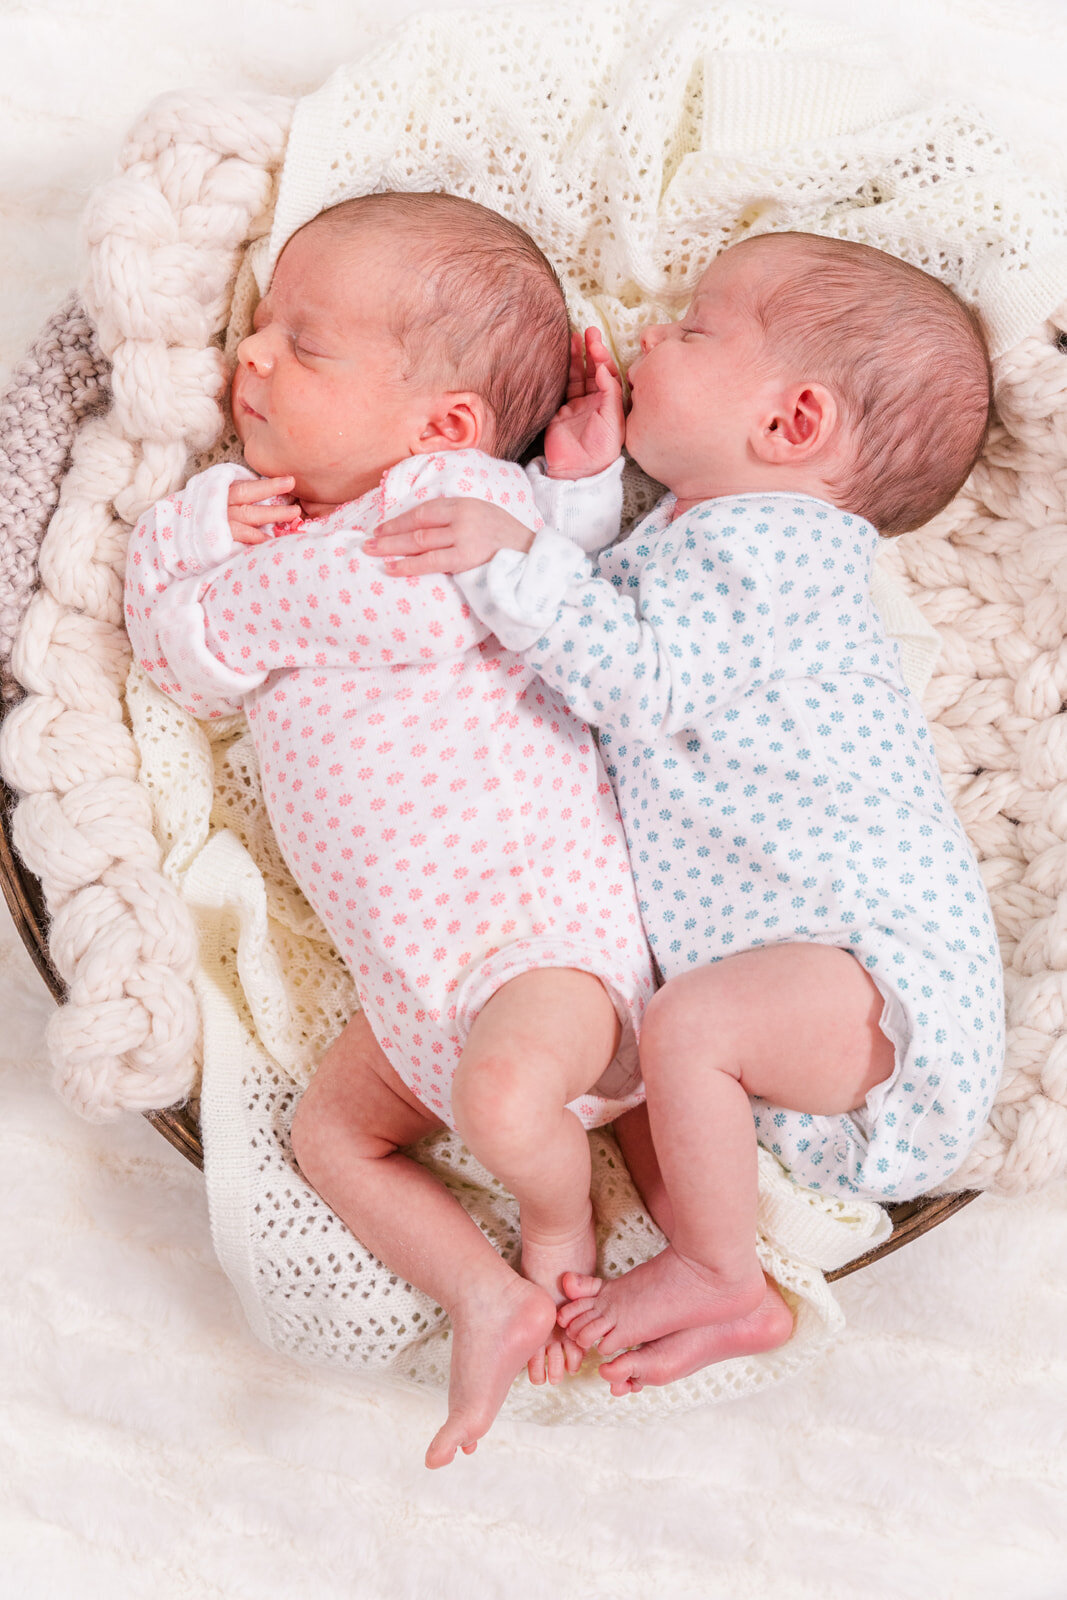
[(520, 595), (200, 675), (204, 536), (588, 511)]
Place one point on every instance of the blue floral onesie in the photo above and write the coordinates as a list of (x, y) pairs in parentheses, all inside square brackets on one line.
[(778, 783)]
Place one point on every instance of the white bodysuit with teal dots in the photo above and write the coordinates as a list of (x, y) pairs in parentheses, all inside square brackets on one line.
[(778, 783)]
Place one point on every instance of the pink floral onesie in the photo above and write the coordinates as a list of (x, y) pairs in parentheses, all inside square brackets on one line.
[(443, 811)]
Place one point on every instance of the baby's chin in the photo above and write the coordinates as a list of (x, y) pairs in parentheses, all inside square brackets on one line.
[(265, 462), (322, 489), (636, 450)]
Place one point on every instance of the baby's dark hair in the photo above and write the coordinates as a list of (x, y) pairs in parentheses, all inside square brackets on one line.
[(903, 355), (492, 311)]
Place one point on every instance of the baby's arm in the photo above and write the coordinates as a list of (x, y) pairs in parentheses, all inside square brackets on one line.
[(673, 633), (209, 618), (456, 535), (172, 549), (679, 628)]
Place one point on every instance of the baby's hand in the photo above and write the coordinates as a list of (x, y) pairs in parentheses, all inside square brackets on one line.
[(446, 536), (247, 514), (586, 434)]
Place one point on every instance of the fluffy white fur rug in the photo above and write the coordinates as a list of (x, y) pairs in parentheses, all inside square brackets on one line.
[(152, 1449)]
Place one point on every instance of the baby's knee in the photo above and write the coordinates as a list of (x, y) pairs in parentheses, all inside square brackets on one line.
[(492, 1102), (326, 1130), (309, 1133), (683, 1017)]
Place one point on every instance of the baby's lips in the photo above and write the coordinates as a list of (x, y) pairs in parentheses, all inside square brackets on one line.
[(239, 401)]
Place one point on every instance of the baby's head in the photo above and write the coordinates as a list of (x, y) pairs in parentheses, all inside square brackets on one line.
[(815, 365), (398, 325)]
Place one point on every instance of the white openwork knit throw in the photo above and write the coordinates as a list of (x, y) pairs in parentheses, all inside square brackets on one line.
[(633, 140)]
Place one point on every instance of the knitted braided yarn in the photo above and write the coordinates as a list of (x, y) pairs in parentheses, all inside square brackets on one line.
[(60, 380), (990, 574), (164, 240)]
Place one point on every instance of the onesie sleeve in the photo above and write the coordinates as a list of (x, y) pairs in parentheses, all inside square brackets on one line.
[(683, 626), (581, 514), (172, 552), (587, 511), (210, 619)]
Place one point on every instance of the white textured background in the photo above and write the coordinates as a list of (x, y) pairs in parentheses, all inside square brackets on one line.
[(151, 1449)]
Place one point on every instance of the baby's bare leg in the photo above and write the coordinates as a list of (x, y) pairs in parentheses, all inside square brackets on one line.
[(542, 1040), (635, 1142), (676, 1355), (795, 1024), (348, 1133)]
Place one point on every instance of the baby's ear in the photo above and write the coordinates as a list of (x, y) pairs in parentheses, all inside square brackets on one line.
[(457, 422), (801, 423)]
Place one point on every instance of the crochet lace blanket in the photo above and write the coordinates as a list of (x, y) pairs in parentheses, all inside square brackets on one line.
[(633, 140)]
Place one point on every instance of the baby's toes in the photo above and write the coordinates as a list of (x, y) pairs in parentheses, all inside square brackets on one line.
[(573, 1355), (535, 1367), (621, 1374), (572, 1310), (580, 1286), (588, 1331), (444, 1443), (555, 1361)]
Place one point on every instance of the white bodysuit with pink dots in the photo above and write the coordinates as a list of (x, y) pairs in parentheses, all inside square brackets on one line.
[(444, 812)]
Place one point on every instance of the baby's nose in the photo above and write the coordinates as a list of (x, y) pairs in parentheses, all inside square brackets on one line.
[(254, 352), (652, 335)]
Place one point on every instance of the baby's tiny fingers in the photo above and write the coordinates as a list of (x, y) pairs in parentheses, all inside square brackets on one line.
[(434, 513), (433, 561), (599, 354), (607, 379), (576, 370), (257, 516), (425, 527), (246, 491), (573, 1355), (417, 542)]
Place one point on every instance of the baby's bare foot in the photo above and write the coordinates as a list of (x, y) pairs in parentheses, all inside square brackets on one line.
[(491, 1342), (661, 1296), (545, 1259), (676, 1355)]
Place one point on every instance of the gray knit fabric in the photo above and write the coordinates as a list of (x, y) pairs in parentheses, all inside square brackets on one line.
[(62, 379)]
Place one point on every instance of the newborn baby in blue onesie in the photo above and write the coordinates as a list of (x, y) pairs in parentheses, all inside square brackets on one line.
[(831, 979)]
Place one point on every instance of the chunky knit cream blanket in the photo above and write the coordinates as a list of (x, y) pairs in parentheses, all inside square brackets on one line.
[(633, 140)]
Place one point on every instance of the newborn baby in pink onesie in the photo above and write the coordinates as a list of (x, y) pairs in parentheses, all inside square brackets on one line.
[(444, 812)]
